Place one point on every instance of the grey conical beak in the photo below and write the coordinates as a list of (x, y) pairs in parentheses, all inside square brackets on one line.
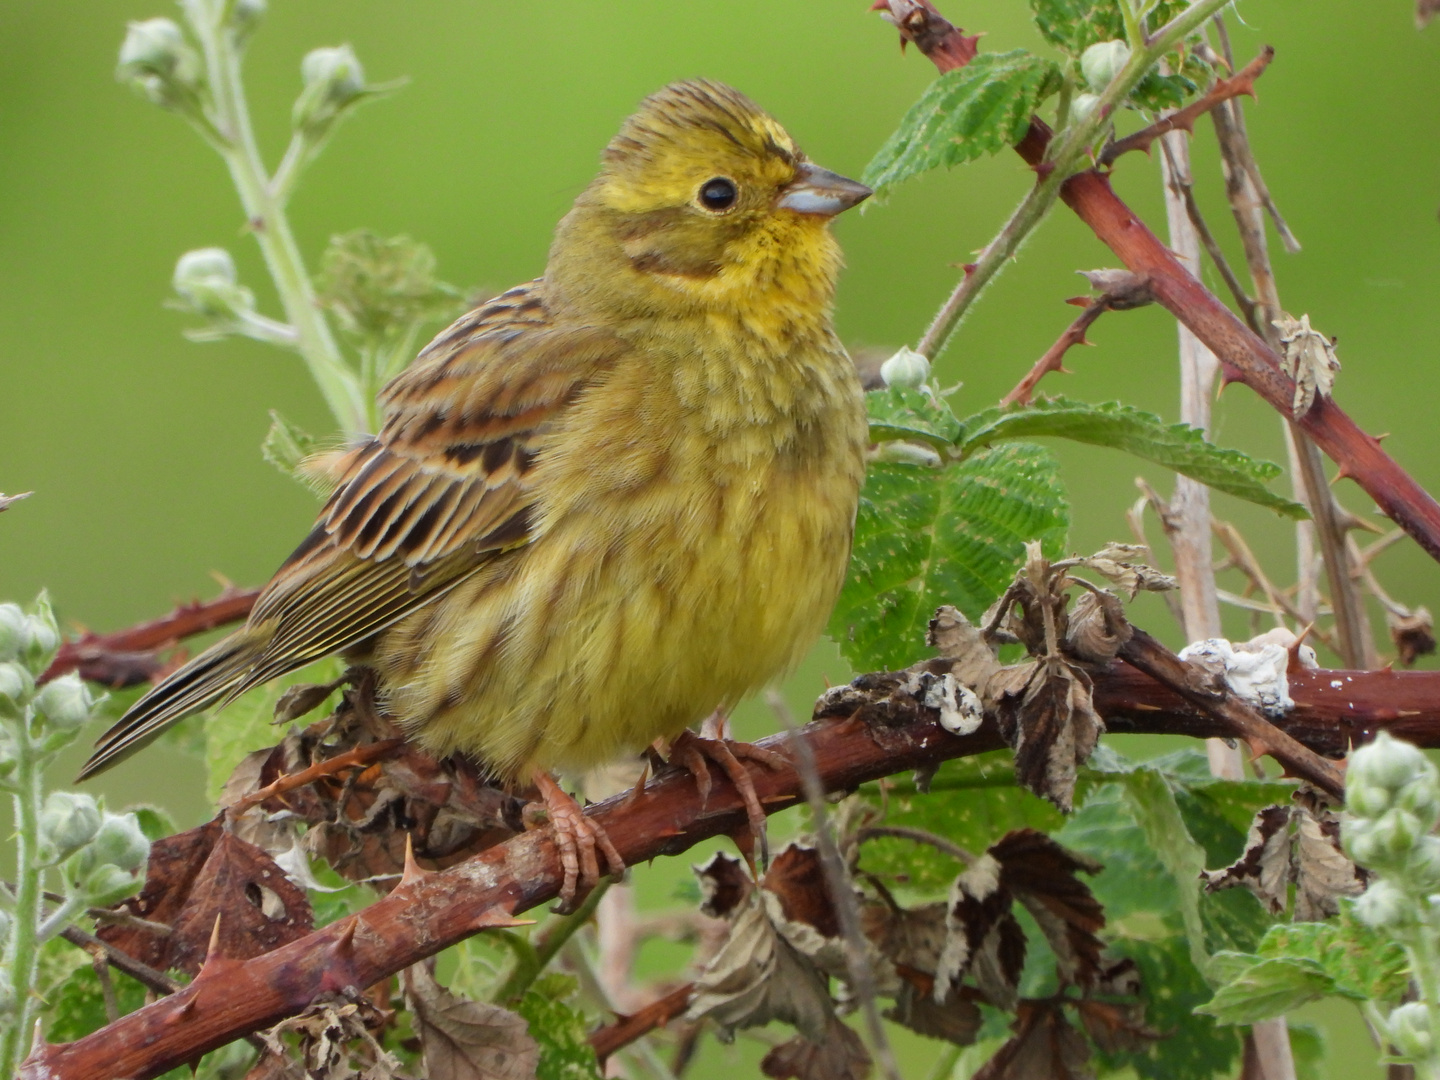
[(821, 192)]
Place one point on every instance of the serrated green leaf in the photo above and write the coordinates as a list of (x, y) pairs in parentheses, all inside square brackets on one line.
[(978, 109), (560, 1029), (286, 444), (1268, 988), (931, 536), (972, 802), (899, 412), (1364, 964), (1133, 882), (1123, 427), (77, 1005), (1075, 25)]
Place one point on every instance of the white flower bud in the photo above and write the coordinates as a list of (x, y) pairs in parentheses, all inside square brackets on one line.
[(1383, 905), (1409, 1029), (906, 368), (1367, 800), (42, 635), (67, 823), (206, 282), (1101, 62), (12, 631), (16, 686), (156, 59), (1421, 797), (1083, 106), (1388, 763), (334, 80), (121, 843), (1423, 867), (245, 16), (108, 884), (65, 702)]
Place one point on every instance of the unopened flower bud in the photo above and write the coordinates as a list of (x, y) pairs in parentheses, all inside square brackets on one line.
[(1367, 800), (906, 368), (245, 16), (108, 884), (1383, 905), (16, 686), (157, 60), (1421, 797), (1101, 62), (1409, 1030), (907, 453), (1388, 763), (1423, 867), (334, 80), (12, 631), (121, 843), (65, 702), (1083, 106), (42, 635), (67, 823), (206, 283)]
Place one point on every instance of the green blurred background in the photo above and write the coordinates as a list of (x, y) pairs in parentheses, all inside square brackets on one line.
[(142, 447)]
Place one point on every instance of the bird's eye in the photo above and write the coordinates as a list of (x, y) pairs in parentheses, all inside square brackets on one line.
[(718, 194)]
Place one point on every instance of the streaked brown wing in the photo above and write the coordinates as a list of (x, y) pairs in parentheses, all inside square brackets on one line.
[(443, 487)]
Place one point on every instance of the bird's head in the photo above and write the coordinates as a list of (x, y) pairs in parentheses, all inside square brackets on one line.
[(703, 200)]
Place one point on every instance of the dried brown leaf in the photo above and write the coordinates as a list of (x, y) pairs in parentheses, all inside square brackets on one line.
[(1425, 11), (334, 1043), (797, 879), (1309, 360), (840, 1056), (302, 698), (983, 940), (1264, 865), (1323, 872), (957, 1020), (724, 885), (1044, 1047), (1123, 289), (467, 1040), (955, 638), (1053, 728), (193, 878), (1116, 1027), (1413, 634), (907, 937), (1098, 628), (1042, 875)]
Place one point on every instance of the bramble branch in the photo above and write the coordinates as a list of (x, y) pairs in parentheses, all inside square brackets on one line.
[(1244, 355), (128, 657), (862, 733)]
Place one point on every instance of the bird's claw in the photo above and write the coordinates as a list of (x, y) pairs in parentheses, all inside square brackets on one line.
[(579, 840), (694, 753)]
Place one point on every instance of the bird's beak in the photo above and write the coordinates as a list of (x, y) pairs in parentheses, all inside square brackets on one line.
[(821, 192)]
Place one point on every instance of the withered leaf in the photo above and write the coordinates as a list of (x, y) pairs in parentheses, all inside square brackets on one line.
[(1116, 1027), (1121, 564), (334, 1044), (840, 1056), (957, 1020), (1044, 1047), (1297, 845), (951, 634), (1413, 634), (1052, 726), (908, 937), (1042, 875), (1123, 288), (724, 885), (758, 975), (797, 879), (195, 876), (7, 501), (1309, 360), (467, 1040), (1425, 11), (1098, 627), (302, 698), (983, 939)]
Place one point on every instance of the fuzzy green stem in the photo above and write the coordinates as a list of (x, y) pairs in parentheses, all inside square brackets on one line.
[(265, 211), (22, 951), (550, 940), (1067, 155), (1423, 948)]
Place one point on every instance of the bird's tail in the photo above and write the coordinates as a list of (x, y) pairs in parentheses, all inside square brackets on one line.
[(203, 681)]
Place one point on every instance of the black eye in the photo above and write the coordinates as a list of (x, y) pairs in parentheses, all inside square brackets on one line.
[(717, 194)]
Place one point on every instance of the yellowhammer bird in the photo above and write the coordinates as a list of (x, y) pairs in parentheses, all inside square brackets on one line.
[(606, 502)]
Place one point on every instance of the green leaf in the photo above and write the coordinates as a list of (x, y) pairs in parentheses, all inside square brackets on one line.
[(560, 1029), (285, 445), (972, 802), (1363, 963), (1194, 1047), (1075, 25), (1134, 885), (1268, 988), (1123, 427), (931, 536), (379, 289), (899, 412), (981, 108), (77, 1005)]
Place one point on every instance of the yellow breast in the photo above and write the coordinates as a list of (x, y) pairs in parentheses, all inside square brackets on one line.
[(697, 512)]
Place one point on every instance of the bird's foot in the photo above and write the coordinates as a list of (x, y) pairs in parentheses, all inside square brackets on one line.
[(694, 753), (580, 841)]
